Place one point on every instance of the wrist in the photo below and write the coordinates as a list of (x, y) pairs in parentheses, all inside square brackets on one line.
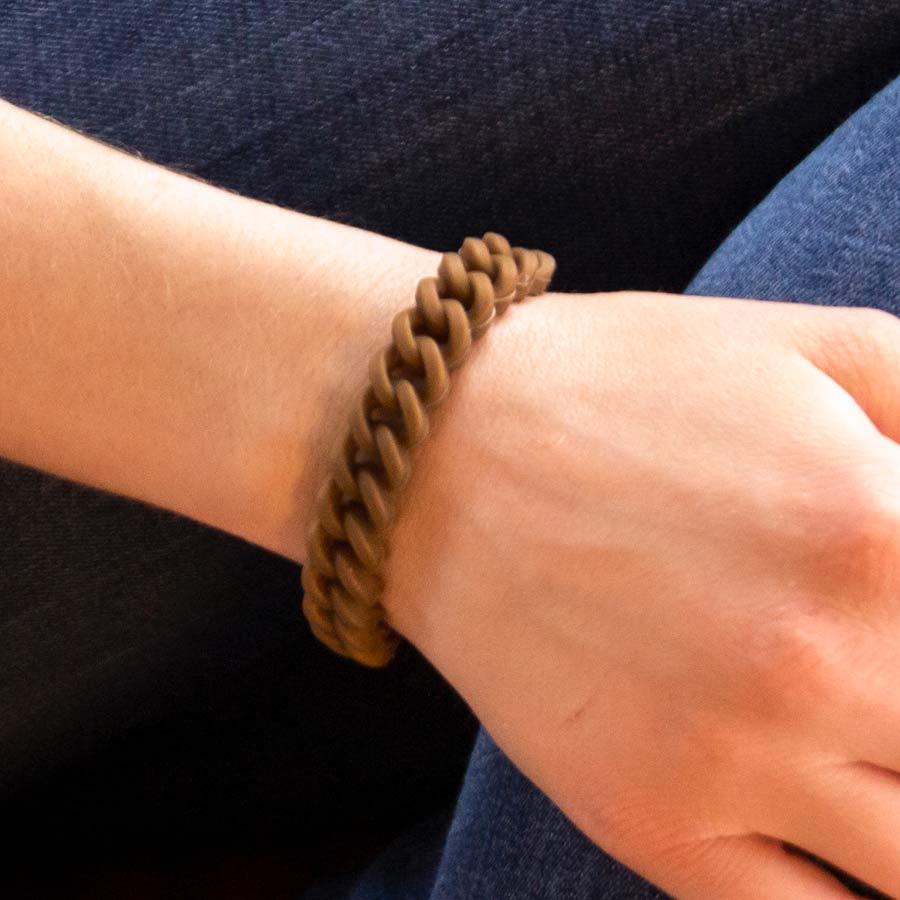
[(362, 280), (439, 537)]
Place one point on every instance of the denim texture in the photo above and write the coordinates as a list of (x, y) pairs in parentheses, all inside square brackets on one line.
[(157, 682)]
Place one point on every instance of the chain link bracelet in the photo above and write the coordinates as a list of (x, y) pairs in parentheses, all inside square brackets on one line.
[(348, 540)]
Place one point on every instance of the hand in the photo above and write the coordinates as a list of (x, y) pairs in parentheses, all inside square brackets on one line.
[(654, 541)]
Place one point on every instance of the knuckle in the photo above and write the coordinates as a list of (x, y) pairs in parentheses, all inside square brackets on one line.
[(879, 334), (854, 535), (862, 328), (850, 338), (875, 323), (868, 318), (793, 664)]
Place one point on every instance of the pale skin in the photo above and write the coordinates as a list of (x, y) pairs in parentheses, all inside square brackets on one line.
[(652, 540)]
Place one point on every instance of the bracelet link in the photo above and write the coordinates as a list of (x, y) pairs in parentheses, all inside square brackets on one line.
[(348, 543)]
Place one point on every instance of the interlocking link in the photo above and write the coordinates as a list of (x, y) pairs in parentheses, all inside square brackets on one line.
[(347, 543)]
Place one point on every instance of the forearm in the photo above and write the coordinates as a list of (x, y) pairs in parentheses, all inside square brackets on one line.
[(178, 344)]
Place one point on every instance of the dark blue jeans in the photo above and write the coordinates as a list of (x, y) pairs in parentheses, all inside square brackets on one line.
[(158, 687)]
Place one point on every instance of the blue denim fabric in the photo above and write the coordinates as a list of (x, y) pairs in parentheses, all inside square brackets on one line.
[(828, 234), (157, 682)]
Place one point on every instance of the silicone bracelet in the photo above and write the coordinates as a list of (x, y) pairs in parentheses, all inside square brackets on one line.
[(348, 540)]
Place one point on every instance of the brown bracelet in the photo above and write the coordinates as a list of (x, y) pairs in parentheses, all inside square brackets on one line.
[(347, 543)]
